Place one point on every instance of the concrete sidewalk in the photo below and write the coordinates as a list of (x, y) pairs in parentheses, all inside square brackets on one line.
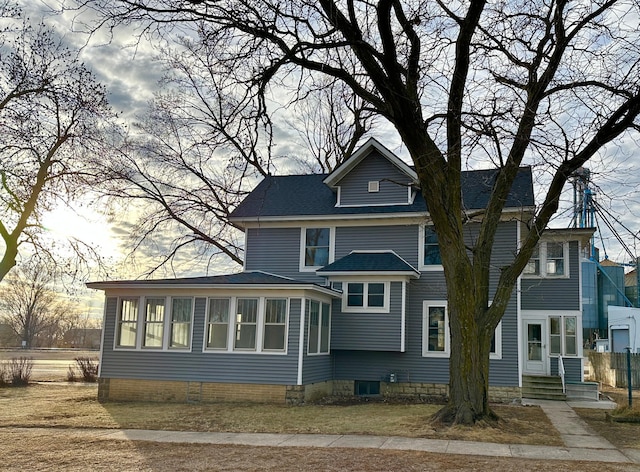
[(581, 443)]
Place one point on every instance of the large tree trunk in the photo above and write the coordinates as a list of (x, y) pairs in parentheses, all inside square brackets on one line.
[(468, 367)]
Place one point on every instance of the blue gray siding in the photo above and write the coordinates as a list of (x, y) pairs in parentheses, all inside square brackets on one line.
[(554, 293), (402, 239), (198, 366), (393, 188), (277, 251), (411, 366), (369, 331), (572, 368)]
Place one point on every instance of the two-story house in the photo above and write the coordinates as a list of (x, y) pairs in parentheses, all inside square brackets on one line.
[(342, 292)]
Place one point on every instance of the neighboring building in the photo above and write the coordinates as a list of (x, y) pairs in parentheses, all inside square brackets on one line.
[(342, 293)]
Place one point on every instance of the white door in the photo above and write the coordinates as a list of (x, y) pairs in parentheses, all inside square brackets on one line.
[(535, 355)]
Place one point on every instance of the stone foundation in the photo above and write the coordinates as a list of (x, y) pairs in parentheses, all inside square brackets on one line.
[(111, 389)]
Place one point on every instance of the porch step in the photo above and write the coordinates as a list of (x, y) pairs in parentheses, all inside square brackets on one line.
[(582, 391), (543, 387)]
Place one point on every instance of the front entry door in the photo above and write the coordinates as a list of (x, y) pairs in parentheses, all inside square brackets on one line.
[(535, 355)]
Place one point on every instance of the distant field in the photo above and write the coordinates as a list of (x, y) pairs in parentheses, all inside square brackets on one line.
[(48, 364)]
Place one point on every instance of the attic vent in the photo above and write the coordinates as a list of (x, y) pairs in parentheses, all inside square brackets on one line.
[(374, 186)]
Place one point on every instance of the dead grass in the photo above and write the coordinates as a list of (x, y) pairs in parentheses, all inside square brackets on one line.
[(620, 434), (63, 450), (76, 406)]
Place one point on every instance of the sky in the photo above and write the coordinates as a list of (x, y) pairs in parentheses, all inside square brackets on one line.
[(128, 68)]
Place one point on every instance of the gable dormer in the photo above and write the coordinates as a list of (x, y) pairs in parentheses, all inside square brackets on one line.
[(373, 176)]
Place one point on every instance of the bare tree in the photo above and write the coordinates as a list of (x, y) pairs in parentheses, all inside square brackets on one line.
[(51, 109), (203, 143), (30, 306), (549, 83)]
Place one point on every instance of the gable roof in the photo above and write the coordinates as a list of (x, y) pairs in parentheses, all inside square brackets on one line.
[(370, 263), (296, 196), (363, 151)]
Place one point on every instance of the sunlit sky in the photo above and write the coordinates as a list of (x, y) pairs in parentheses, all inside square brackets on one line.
[(131, 76)]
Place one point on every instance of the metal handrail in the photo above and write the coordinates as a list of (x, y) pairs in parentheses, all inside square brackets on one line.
[(561, 372)]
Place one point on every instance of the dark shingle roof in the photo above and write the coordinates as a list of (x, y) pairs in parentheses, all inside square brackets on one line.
[(369, 262), (241, 278), (300, 195)]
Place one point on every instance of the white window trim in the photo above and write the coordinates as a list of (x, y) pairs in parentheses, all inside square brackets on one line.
[(303, 237), (421, 265), (563, 336), (169, 311), (542, 256), (385, 308), (286, 324), (260, 324), (308, 317), (373, 186), (426, 304), (141, 322), (116, 346), (498, 335)]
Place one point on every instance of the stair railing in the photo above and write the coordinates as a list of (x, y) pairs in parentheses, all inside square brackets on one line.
[(561, 372)]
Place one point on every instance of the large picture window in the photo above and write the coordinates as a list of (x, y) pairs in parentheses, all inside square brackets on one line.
[(366, 296), (153, 322), (319, 327), (180, 332), (316, 248), (127, 322)]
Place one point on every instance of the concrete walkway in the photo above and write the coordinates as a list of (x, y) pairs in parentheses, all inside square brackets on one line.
[(581, 443), (580, 440)]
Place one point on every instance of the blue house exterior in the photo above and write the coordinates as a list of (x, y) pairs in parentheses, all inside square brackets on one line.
[(342, 293)]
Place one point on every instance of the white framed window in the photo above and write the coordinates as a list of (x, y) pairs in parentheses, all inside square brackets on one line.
[(435, 329), (217, 323), (428, 249), (319, 327), (373, 186), (181, 321), (153, 331), (360, 296), (275, 324), (127, 324), (249, 325), (316, 248), (563, 339), (549, 259), (246, 323)]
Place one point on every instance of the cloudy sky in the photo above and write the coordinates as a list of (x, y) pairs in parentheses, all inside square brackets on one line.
[(129, 69)]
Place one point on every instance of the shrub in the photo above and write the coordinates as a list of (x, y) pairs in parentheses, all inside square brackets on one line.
[(18, 371), (87, 367)]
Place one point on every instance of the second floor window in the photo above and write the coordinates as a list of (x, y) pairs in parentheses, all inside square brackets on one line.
[(549, 259), (316, 246), (430, 249)]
